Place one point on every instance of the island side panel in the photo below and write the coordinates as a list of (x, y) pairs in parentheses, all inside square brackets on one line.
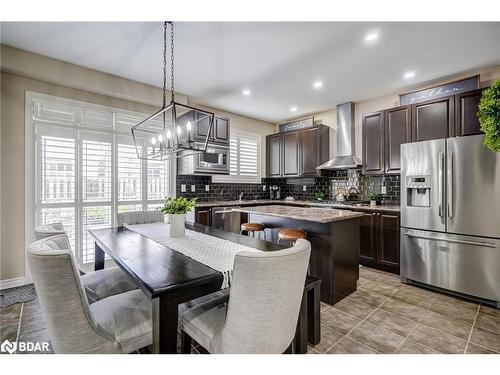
[(320, 236), (345, 258)]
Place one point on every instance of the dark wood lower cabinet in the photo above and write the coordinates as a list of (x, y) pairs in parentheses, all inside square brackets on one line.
[(379, 241), (203, 216)]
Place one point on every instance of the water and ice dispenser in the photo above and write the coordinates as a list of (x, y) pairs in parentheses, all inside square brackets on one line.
[(418, 191)]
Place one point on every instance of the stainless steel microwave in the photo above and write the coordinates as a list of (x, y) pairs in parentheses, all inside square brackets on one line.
[(214, 161)]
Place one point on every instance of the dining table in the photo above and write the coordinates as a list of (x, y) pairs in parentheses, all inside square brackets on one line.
[(169, 277)]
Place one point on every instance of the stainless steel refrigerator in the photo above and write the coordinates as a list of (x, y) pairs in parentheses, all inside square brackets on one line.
[(450, 216)]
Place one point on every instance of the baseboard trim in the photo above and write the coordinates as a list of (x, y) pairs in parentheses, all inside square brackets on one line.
[(12, 283)]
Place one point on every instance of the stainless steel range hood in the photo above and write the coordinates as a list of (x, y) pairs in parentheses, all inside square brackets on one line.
[(345, 140)]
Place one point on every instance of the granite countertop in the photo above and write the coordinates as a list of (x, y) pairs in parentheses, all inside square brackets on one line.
[(393, 208), (319, 215)]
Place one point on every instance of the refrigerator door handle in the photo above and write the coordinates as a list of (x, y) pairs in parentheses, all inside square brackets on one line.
[(465, 242), (441, 184), (449, 187)]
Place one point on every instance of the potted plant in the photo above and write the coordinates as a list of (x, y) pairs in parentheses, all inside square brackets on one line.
[(177, 208), (489, 116), (375, 198), (320, 195)]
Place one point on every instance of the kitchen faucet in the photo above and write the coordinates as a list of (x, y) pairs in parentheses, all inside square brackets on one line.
[(241, 196)]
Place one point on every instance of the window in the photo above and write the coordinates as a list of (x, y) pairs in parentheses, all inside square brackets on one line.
[(244, 160), (87, 169)]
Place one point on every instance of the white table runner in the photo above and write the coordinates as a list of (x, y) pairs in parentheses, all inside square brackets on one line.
[(212, 251)]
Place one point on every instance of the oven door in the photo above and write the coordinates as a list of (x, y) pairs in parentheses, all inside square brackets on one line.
[(215, 160)]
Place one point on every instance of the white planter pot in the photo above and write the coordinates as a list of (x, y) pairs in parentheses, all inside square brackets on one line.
[(177, 225), (373, 203)]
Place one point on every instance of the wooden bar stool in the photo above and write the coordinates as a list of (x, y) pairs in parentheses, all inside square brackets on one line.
[(252, 228), (291, 235)]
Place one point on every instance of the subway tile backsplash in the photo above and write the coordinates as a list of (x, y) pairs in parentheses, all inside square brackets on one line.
[(335, 182)]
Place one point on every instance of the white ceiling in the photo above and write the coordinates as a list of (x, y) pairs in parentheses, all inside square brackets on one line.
[(278, 62)]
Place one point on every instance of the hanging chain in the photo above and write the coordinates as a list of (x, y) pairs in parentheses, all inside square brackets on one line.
[(164, 64), (172, 59)]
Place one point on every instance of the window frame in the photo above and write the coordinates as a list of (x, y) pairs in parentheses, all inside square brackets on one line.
[(237, 179), (112, 131)]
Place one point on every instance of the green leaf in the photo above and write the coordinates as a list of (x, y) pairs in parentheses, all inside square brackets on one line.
[(179, 205), (489, 116)]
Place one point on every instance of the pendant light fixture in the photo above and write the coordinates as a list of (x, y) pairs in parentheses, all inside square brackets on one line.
[(176, 130)]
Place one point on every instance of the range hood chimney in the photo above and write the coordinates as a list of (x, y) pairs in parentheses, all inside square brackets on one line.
[(345, 141)]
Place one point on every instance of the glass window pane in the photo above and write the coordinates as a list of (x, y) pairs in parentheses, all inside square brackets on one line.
[(129, 207), (56, 160), (157, 179), (92, 218), (96, 171), (65, 215), (129, 174)]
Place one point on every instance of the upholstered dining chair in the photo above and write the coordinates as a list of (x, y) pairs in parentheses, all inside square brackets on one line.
[(98, 284), (261, 311), (49, 230), (139, 217), (117, 324)]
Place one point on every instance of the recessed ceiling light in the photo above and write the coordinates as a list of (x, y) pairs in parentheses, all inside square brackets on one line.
[(371, 37), (409, 75), (318, 85), (246, 92), (293, 109)]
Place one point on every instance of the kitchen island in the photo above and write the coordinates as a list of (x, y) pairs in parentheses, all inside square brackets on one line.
[(334, 236)]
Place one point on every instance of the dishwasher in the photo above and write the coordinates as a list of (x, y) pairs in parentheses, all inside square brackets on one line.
[(223, 218)]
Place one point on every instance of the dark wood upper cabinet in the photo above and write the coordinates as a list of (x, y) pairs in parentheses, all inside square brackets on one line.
[(297, 153), (397, 130), (201, 128), (373, 143), (433, 119), (309, 151), (467, 106), (273, 155), (290, 154), (221, 130), (388, 253)]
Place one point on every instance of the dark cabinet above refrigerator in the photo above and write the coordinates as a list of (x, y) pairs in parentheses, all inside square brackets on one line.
[(385, 131)]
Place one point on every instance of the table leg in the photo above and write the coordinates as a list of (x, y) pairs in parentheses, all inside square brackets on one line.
[(165, 321), (314, 316), (98, 257), (301, 332)]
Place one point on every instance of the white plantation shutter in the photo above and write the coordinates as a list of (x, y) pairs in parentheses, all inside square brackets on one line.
[(244, 159), (87, 168)]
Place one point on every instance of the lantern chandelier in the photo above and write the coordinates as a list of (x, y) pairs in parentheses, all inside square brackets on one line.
[(176, 130)]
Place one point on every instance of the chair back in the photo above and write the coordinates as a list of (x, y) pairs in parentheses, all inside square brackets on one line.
[(139, 217), (48, 230), (65, 308), (265, 299)]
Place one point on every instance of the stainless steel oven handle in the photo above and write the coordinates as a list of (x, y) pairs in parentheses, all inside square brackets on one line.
[(441, 184), (465, 242), (449, 187)]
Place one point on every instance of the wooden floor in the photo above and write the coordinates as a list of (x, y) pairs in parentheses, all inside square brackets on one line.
[(382, 316)]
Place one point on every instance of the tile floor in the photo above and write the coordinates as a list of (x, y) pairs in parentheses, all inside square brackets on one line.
[(382, 316)]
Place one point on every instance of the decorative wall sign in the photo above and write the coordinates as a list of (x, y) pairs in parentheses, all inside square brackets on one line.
[(440, 91), (298, 124)]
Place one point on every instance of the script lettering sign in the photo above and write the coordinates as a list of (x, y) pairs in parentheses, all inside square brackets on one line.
[(448, 89)]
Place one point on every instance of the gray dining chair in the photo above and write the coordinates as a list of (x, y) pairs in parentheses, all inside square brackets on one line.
[(48, 230), (98, 284), (261, 311), (117, 324), (139, 217)]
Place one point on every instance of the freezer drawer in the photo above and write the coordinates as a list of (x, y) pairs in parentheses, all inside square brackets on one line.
[(464, 264)]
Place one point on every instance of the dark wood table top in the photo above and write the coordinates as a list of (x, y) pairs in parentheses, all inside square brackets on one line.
[(156, 268)]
